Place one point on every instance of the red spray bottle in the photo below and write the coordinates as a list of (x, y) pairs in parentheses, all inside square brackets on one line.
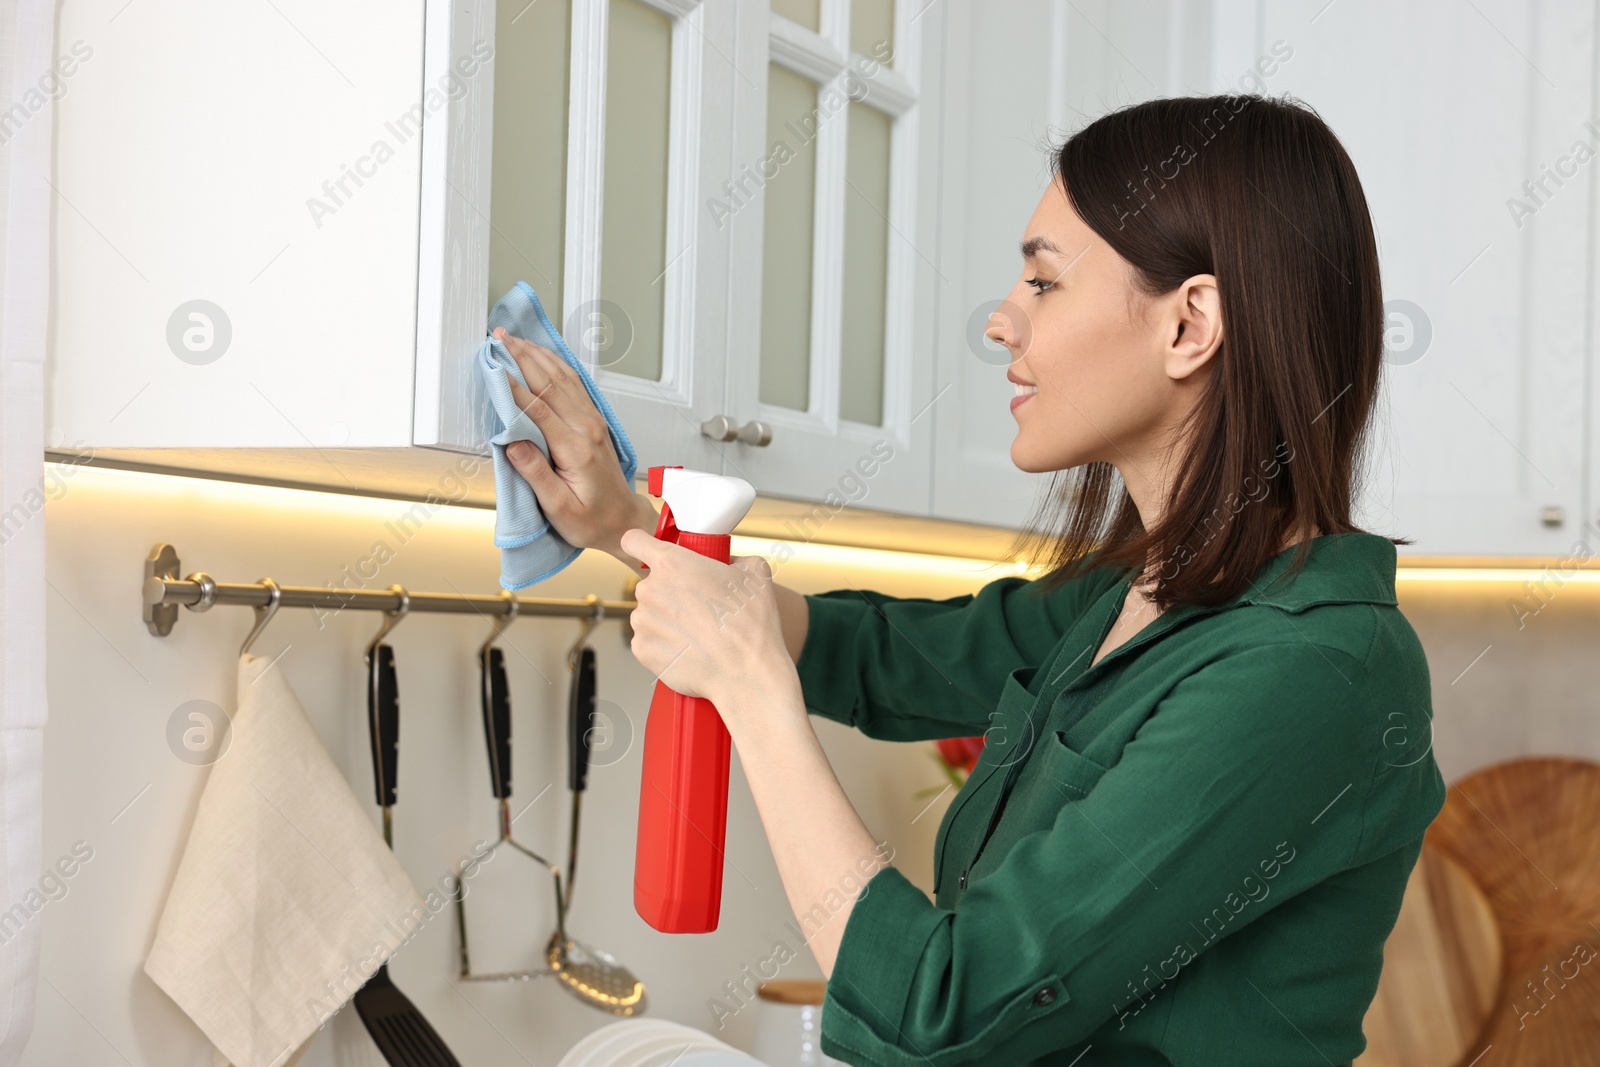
[(683, 793)]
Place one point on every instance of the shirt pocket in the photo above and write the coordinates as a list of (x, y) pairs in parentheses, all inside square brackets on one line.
[(1008, 739), (1054, 777), (1070, 769)]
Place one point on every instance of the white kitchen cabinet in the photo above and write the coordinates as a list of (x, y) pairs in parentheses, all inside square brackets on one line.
[(1019, 77), (278, 228), (322, 180), (1447, 113), (1480, 438), (347, 192)]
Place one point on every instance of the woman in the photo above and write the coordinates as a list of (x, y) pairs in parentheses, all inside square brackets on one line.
[(1207, 767)]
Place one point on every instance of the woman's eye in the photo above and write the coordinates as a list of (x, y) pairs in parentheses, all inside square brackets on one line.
[(1040, 284)]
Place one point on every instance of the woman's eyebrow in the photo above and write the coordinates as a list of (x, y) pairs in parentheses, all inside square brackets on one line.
[(1033, 245)]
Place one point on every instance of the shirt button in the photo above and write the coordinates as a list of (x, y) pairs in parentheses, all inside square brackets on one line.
[(1044, 996), (963, 882)]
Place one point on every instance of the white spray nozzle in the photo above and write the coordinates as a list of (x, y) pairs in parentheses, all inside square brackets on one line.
[(706, 503)]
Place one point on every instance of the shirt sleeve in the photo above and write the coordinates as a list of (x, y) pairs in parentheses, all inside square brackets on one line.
[(1258, 776), (913, 668)]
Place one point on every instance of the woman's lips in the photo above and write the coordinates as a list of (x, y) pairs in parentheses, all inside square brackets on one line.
[(1018, 401)]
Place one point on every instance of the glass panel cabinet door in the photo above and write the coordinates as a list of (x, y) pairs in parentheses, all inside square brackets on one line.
[(645, 271), (718, 202), (599, 176), (831, 293)]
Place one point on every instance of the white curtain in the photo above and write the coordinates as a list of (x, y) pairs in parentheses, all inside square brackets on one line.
[(26, 55)]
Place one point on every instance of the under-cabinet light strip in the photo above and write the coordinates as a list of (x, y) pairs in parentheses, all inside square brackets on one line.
[(1527, 573), (811, 553)]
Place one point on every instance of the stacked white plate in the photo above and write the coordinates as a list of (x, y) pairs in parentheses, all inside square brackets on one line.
[(654, 1043)]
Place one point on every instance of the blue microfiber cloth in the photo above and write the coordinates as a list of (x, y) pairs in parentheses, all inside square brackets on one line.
[(530, 548)]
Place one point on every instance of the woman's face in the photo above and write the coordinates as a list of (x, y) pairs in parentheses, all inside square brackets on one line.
[(1102, 354)]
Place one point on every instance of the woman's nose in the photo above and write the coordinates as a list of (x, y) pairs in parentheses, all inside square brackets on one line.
[(995, 331), (1007, 327)]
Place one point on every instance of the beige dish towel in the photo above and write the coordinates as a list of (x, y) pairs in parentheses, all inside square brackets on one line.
[(286, 899)]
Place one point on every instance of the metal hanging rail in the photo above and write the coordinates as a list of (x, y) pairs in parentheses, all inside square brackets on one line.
[(164, 591)]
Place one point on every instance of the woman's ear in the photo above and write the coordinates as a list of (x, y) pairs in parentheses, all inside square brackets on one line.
[(1194, 325)]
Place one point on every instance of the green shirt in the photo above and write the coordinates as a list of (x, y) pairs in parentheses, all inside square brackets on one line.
[(1189, 853)]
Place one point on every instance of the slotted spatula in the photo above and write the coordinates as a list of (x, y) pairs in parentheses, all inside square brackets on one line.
[(402, 1035)]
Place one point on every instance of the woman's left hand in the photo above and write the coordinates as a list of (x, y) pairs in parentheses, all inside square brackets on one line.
[(707, 629)]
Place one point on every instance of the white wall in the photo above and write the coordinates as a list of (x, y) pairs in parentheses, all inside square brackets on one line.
[(112, 780)]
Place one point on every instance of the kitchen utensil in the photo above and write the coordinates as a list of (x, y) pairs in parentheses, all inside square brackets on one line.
[(593, 976), (402, 1035), (495, 694), (1524, 831), (580, 721), (1441, 970), (683, 793)]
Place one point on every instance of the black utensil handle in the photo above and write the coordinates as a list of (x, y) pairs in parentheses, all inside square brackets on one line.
[(580, 718), (497, 720), (383, 721)]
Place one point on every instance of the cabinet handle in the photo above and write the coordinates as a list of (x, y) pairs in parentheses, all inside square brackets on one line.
[(1553, 516), (755, 432), (719, 428)]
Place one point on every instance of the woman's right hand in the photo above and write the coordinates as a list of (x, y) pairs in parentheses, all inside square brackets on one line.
[(583, 495)]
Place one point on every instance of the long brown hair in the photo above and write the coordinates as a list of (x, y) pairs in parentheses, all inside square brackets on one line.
[(1258, 192)]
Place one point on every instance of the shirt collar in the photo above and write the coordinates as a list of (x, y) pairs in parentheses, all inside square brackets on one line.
[(1347, 568)]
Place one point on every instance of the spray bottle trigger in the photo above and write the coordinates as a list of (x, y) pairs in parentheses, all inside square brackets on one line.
[(666, 526)]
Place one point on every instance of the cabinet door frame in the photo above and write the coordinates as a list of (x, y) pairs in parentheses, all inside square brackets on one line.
[(813, 452)]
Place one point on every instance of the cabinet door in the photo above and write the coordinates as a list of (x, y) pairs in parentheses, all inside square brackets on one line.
[(234, 230), (831, 207), (605, 139), (1472, 131), (646, 265), (1019, 76)]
